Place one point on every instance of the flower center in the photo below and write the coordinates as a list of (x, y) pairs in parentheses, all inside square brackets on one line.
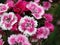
[(34, 10), (28, 24), (8, 19)]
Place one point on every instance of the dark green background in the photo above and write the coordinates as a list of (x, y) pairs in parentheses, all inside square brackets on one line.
[(54, 38)]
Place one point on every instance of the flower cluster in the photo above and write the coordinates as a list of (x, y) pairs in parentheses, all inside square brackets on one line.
[(24, 18)]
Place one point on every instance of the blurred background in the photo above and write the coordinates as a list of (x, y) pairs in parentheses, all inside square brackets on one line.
[(54, 38)]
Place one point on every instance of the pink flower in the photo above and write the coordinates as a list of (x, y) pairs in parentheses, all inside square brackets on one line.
[(11, 39), (43, 32), (3, 7), (48, 17), (18, 40), (46, 5), (20, 6), (1, 42), (49, 25), (8, 20), (28, 25), (10, 3), (37, 11), (21, 38)]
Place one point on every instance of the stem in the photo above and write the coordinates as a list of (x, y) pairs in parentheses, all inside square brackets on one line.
[(39, 42)]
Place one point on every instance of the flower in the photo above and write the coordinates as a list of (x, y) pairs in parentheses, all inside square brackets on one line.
[(43, 32), (8, 20), (48, 17), (46, 5), (20, 6), (37, 10), (28, 25), (18, 39), (21, 38), (49, 25), (10, 3), (11, 39), (3, 7)]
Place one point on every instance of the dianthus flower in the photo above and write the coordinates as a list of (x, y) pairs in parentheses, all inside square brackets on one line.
[(48, 17), (37, 10), (28, 25), (20, 6), (49, 25), (8, 20), (3, 7), (46, 5), (43, 32)]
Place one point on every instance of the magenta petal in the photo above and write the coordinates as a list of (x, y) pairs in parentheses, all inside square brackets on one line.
[(50, 26)]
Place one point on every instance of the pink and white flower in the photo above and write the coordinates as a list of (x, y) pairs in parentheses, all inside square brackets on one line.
[(21, 38), (10, 3), (3, 7), (11, 39), (28, 25), (8, 20), (43, 32), (18, 39), (37, 10), (46, 5)]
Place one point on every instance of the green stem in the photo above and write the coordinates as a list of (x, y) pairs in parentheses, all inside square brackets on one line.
[(39, 42)]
